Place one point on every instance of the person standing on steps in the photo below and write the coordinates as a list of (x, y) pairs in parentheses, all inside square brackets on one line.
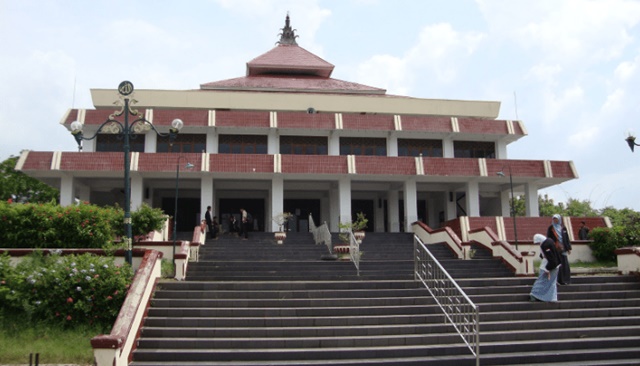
[(209, 219), (545, 288), (244, 224), (559, 234)]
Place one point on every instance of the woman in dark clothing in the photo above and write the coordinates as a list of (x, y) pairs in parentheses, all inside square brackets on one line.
[(559, 234), (545, 287)]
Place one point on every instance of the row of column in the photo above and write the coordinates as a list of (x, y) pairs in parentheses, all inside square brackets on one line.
[(339, 199)]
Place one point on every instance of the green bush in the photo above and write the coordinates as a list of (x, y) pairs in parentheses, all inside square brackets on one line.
[(606, 241), (79, 226), (68, 290)]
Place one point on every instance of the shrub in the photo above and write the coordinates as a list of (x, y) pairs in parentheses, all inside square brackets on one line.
[(606, 241), (68, 290), (81, 226)]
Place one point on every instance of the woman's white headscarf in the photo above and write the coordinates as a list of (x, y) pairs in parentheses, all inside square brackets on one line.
[(539, 238)]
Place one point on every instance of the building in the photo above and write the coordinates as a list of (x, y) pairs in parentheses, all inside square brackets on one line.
[(287, 137)]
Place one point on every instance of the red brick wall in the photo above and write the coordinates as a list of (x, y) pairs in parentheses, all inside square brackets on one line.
[(519, 168), (481, 222), (98, 161), (163, 162), (561, 169), (351, 121), (425, 123), (482, 126), (241, 163), (242, 119), (322, 121), (385, 165), (190, 117), (451, 166), (38, 161), (314, 164)]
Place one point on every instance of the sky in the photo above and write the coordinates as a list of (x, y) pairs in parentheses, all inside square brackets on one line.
[(569, 69)]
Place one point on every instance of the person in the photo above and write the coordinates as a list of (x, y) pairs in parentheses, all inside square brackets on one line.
[(559, 234), (244, 230), (216, 227), (545, 287), (233, 224), (583, 232), (209, 219)]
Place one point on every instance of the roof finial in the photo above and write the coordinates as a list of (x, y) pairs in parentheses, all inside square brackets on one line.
[(287, 36)]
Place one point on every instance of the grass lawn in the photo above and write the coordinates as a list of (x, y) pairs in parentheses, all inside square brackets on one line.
[(53, 344)]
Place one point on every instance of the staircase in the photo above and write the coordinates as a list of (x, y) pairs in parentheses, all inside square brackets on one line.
[(253, 302)]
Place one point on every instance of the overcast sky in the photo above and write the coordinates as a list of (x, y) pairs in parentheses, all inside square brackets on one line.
[(570, 70)]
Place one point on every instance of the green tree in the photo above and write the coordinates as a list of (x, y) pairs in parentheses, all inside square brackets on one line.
[(19, 187), (547, 207), (579, 208)]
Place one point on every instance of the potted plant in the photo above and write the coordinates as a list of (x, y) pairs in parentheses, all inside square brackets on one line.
[(280, 220), (359, 225)]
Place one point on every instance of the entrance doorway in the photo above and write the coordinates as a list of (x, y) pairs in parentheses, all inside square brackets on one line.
[(232, 206), (300, 209), (188, 212), (366, 207)]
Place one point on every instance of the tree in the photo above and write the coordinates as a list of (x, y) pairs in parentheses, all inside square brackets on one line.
[(19, 187), (579, 208)]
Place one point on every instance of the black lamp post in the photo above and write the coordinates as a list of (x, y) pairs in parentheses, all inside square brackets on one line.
[(126, 131), (175, 209), (631, 141), (512, 203)]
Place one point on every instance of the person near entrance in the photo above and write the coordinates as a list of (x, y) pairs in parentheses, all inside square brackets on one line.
[(211, 223), (245, 223)]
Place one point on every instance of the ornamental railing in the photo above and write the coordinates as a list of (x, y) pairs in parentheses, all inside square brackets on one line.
[(321, 234), (461, 312), (354, 251)]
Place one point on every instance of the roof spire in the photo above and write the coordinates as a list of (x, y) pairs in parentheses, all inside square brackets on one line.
[(287, 36)]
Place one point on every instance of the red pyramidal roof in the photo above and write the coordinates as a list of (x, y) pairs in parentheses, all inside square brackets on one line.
[(289, 67)]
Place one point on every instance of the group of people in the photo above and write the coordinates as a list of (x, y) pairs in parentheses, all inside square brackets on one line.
[(554, 251), (241, 228)]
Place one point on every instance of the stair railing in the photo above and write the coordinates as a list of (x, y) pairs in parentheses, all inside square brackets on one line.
[(321, 234), (354, 251), (461, 312)]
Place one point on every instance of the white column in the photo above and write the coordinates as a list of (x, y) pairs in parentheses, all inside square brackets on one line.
[(447, 148), (451, 209), (394, 211), (392, 145), (378, 226), (212, 141), (273, 142), (505, 198), (344, 193), (207, 196), (151, 142), (67, 191), (277, 200), (472, 199), (531, 200), (334, 208), (410, 197), (501, 150), (334, 144), (137, 191)]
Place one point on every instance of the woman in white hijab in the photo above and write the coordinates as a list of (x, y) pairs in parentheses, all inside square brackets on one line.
[(545, 287), (559, 234)]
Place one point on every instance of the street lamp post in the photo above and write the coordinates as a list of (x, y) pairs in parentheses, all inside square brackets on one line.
[(126, 131), (175, 209), (512, 203)]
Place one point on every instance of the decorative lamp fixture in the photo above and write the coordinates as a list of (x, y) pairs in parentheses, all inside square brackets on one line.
[(127, 131)]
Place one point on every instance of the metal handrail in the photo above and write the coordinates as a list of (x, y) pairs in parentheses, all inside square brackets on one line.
[(461, 312), (321, 234), (354, 251)]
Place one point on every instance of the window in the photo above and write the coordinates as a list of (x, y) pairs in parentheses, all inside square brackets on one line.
[(242, 144), (474, 149), (414, 147), (113, 142), (183, 143), (363, 146), (303, 145)]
